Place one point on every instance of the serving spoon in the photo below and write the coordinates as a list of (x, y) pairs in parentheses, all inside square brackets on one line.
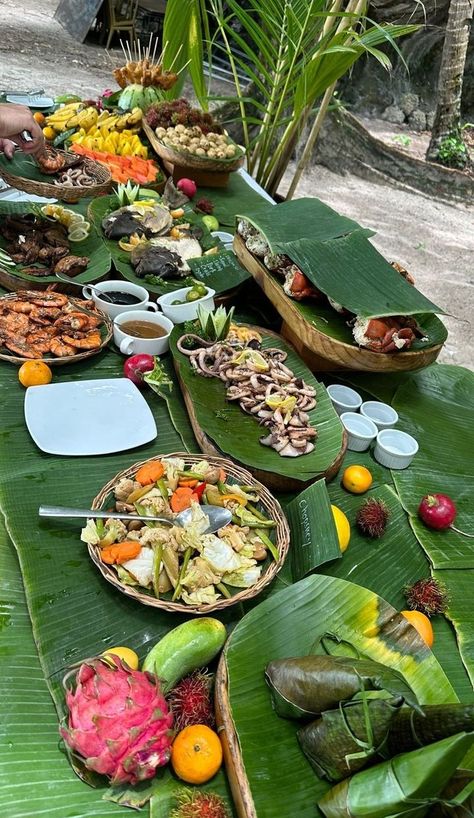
[(218, 517), (102, 295)]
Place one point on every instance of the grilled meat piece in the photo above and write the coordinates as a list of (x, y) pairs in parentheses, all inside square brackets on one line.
[(71, 265)]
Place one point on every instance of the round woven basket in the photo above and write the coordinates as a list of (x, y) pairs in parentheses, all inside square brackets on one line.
[(268, 504), (188, 160), (100, 174), (106, 331)]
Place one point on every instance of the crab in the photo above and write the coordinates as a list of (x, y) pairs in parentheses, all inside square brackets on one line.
[(297, 286), (389, 334)]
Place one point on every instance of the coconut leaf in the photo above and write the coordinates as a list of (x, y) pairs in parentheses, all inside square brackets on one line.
[(93, 247), (290, 623), (237, 434)]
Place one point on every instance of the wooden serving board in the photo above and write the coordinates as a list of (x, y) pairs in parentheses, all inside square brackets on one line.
[(234, 765), (273, 481), (320, 352)]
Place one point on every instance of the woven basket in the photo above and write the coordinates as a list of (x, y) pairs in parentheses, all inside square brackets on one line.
[(100, 173), (106, 330), (269, 506), (188, 160)]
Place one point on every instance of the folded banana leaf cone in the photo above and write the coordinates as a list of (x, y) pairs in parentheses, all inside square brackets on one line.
[(409, 729), (407, 785), (343, 741), (306, 686)]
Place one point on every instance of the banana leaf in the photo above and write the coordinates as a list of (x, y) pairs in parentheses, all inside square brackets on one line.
[(409, 729), (348, 738), (307, 685), (225, 277), (237, 434), (291, 623), (312, 527), (408, 784), (460, 612), (237, 197), (99, 257), (24, 166)]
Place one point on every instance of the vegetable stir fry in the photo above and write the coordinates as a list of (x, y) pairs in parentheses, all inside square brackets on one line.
[(184, 563)]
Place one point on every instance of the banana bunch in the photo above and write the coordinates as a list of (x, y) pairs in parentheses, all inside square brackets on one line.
[(86, 119), (59, 119), (120, 122)]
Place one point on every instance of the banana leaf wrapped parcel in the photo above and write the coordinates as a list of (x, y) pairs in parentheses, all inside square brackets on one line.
[(358, 733), (344, 740), (306, 686), (408, 785)]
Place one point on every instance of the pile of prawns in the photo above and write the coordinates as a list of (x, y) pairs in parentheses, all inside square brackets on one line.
[(37, 324)]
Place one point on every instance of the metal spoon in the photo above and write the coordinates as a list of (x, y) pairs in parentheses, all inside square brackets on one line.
[(103, 296), (218, 517)]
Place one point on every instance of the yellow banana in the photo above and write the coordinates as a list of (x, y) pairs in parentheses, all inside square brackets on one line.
[(84, 119), (134, 117)]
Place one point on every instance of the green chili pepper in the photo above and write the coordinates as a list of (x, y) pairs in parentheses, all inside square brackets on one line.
[(161, 485)]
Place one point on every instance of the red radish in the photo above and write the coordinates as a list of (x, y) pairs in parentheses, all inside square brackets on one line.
[(439, 512), (135, 366), (188, 187)]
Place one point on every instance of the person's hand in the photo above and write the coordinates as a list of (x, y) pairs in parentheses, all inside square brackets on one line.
[(7, 147), (13, 120)]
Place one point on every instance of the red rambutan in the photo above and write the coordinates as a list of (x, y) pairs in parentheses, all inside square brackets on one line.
[(191, 701), (372, 517), (197, 804), (204, 205), (427, 596)]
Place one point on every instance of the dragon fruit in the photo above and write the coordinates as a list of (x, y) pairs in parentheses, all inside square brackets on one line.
[(119, 721)]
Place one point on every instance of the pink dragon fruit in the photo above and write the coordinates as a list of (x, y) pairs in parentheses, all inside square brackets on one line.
[(119, 722)]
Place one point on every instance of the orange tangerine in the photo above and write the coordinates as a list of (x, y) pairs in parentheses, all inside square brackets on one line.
[(196, 754), (34, 373), (422, 624), (357, 479)]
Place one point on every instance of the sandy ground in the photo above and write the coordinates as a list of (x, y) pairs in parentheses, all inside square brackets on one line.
[(434, 240)]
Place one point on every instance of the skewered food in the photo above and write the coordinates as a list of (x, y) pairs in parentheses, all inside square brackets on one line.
[(35, 324)]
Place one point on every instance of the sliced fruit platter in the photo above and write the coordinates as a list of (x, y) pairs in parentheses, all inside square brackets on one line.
[(183, 569), (39, 241), (188, 137), (51, 327), (341, 301), (249, 396), (161, 242)]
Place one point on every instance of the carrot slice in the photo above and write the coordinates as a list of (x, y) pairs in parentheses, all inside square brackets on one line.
[(182, 499), (120, 552), (150, 472), (188, 483)]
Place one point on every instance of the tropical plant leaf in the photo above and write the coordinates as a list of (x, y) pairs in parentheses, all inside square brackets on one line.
[(93, 247), (313, 530), (237, 434), (237, 197), (182, 36), (291, 623), (460, 611)]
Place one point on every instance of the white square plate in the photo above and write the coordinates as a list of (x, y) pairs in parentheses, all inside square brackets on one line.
[(88, 417)]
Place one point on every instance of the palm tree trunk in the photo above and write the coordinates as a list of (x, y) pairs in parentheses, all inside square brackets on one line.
[(448, 110)]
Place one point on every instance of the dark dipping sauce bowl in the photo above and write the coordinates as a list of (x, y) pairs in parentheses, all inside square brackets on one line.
[(115, 297)]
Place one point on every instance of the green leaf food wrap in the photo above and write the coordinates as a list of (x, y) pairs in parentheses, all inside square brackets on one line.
[(409, 730), (343, 741), (408, 784), (306, 686)]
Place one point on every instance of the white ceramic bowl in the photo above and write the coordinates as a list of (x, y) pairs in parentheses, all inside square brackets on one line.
[(360, 431), (344, 399), (227, 239), (130, 345), (119, 286), (395, 449), (177, 313), (382, 414)]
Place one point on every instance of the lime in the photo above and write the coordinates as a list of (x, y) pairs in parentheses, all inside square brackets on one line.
[(78, 234), (258, 361), (193, 295)]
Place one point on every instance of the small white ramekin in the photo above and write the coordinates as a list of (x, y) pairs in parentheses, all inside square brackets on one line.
[(188, 310), (395, 449), (381, 414), (344, 399), (360, 431)]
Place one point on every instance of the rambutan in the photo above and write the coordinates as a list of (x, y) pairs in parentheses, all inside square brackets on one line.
[(372, 517), (191, 701), (197, 804), (204, 205), (427, 596)]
